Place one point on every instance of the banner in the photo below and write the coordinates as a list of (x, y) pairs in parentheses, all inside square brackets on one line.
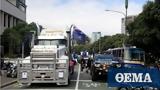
[(133, 77)]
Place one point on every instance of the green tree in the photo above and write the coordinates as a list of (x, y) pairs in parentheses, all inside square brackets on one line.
[(12, 38), (145, 30), (103, 44)]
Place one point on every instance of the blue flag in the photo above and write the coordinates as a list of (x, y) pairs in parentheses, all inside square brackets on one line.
[(78, 35)]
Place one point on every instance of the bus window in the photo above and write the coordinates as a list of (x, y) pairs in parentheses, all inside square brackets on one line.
[(136, 55)]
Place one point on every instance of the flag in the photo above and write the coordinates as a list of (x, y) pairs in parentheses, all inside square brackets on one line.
[(78, 35)]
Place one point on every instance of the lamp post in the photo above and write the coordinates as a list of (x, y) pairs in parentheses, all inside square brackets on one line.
[(116, 12), (126, 7), (125, 15)]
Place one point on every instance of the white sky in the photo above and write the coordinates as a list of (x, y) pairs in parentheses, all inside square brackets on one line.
[(88, 15)]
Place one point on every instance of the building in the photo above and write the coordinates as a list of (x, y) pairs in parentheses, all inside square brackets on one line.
[(11, 13), (129, 20), (95, 36)]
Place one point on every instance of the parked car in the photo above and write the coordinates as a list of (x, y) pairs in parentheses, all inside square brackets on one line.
[(101, 64)]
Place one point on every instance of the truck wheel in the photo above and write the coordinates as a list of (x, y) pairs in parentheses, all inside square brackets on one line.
[(94, 77), (69, 81)]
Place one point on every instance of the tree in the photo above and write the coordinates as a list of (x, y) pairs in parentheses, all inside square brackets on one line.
[(145, 30), (12, 38), (103, 44)]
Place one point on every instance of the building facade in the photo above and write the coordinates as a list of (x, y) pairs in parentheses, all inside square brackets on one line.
[(11, 13), (129, 20), (95, 36)]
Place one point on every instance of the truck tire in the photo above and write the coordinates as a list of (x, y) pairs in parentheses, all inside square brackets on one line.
[(69, 81), (94, 77)]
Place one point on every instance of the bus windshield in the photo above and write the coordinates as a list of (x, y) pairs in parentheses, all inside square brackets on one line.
[(52, 42), (136, 54)]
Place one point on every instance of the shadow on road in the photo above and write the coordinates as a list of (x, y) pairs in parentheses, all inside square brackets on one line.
[(101, 79), (45, 86)]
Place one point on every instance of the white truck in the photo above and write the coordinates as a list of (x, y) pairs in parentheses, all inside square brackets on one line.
[(48, 61)]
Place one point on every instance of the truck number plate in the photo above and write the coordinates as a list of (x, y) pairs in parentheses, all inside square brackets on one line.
[(24, 74)]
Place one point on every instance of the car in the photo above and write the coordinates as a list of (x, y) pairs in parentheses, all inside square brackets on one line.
[(101, 64)]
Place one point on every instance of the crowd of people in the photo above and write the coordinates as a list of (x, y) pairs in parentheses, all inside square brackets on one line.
[(84, 59)]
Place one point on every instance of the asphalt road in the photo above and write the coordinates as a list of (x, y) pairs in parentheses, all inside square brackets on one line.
[(80, 80)]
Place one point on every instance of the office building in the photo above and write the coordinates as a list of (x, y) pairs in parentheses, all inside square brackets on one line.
[(11, 13), (129, 20), (95, 36)]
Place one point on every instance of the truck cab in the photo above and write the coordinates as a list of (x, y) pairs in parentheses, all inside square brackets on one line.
[(48, 61)]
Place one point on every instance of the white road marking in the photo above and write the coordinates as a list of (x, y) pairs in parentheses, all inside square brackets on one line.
[(92, 84), (76, 88)]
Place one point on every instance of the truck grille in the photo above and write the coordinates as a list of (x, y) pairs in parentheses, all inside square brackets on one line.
[(43, 61), (44, 55)]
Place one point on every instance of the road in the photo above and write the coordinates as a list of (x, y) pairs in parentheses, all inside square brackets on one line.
[(80, 80)]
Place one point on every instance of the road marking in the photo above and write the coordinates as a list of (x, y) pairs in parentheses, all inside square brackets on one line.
[(92, 84), (76, 88)]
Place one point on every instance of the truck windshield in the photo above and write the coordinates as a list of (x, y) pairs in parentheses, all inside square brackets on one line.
[(52, 42)]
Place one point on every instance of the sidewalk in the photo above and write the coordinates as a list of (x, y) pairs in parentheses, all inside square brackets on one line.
[(5, 81)]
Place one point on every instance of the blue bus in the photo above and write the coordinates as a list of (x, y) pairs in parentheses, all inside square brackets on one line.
[(128, 55)]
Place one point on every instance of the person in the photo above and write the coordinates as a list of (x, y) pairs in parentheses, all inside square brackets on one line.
[(82, 64), (88, 65), (71, 66)]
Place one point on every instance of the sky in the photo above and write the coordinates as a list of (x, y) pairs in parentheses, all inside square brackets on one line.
[(88, 15)]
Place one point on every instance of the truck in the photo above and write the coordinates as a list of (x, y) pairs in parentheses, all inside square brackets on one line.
[(48, 61)]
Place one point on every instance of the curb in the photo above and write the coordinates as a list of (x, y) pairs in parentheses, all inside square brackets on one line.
[(9, 83)]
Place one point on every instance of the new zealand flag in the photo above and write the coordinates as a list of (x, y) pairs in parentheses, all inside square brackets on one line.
[(78, 35)]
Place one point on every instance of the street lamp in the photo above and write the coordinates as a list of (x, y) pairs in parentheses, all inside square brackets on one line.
[(125, 15), (125, 21), (116, 12)]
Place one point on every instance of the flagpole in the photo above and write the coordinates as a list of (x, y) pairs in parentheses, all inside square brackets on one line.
[(70, 40)]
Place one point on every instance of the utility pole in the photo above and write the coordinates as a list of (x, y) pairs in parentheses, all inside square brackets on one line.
[(126, 7), (22, 49)]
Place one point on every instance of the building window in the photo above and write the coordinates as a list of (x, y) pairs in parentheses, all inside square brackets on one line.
[(4, 20), (17, 21), (21, 5), (9, 19), (13, 21)]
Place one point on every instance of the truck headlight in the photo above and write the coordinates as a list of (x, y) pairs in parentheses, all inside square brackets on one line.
[(97, 65), (118, 65), (60, 74)]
